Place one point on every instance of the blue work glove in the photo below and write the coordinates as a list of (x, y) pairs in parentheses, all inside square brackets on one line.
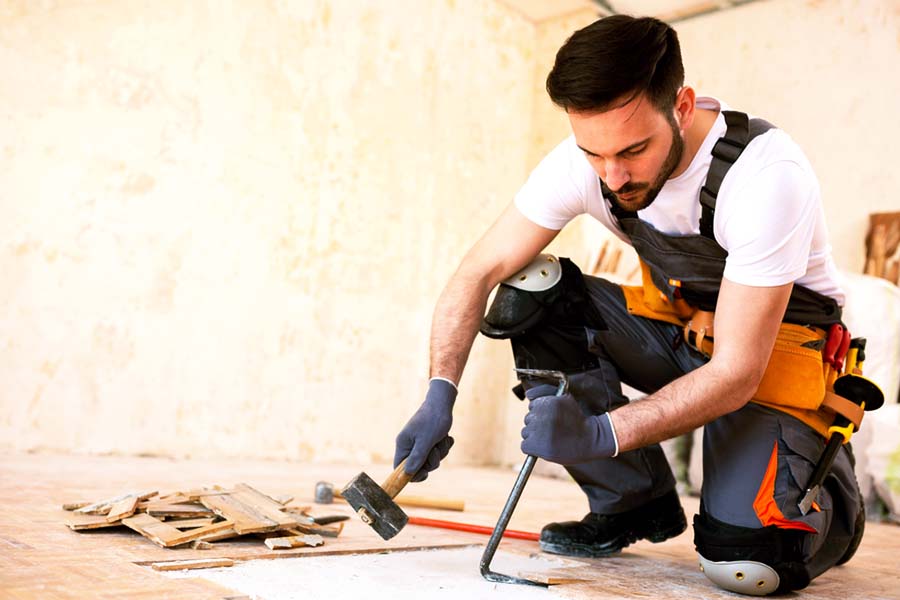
[(557, 430), (423, 441)]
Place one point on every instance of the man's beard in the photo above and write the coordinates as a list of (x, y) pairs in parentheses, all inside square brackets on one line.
[(640, 202)]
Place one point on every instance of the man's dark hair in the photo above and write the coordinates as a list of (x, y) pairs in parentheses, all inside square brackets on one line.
[(615, 59)]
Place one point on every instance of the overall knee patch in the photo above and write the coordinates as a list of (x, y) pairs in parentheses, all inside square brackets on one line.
[(543, 310), (755, 562)]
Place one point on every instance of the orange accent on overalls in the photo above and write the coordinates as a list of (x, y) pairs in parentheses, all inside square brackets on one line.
[(766, 509)]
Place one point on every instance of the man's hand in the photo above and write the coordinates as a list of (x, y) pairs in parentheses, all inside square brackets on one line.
[(557, 430), (423, 441)]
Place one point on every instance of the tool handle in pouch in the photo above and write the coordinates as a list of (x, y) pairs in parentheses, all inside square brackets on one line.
[(397, 480), (843, 426)]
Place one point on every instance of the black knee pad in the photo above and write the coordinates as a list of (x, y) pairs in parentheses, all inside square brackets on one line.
[(780, 549), (546, 328)]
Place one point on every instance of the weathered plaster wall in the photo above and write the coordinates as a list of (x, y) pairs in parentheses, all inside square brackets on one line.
[(217, 220), (549, 127), (827, 72)]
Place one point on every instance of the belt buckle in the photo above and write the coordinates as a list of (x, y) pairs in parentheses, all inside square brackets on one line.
[(695, 341)]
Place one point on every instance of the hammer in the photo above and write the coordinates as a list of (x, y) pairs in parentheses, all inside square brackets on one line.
[(375, 505), (326, 494)]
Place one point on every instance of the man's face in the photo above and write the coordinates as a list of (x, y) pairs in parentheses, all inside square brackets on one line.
[(634, 149)]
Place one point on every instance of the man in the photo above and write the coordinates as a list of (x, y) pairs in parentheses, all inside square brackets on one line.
[(724, 212)]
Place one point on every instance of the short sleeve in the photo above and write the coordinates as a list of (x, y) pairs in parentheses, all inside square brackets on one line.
[(768, 224), (554, 193)]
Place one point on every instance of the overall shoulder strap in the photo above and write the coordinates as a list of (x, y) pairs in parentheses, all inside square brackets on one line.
[(725, 153)]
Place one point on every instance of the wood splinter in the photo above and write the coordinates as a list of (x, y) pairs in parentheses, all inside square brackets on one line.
[(294, 541), (200, 563)]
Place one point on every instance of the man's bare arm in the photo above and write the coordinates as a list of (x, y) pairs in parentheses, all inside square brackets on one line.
[(746, 324), (509, 244)]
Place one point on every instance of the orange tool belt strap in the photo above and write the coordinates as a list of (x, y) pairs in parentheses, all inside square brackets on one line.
[(796, 380)]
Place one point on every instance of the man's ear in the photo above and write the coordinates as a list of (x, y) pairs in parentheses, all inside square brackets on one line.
[(685, 106)]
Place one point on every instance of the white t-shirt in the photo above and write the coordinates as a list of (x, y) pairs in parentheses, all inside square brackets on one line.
[(768, 216)]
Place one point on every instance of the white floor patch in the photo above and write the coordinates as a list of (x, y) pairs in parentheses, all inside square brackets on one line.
[(396, 575)]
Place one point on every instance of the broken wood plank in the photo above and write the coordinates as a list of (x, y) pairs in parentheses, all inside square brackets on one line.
[(178, 510), (216, 531), (283, 499), (263, 503), (201, 545), (121, 509), (78, 522), (251, 511), (331, 531), (294, 541), (556, 576), (168, 536), (190, 523), (297, 510), (74, 505), (198, 563), (153, 529), (164, 501), (195, 495), (218, 536), (102, 507)]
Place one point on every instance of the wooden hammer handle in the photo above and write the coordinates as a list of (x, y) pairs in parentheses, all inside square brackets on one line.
[(397, 480), (430, 502)]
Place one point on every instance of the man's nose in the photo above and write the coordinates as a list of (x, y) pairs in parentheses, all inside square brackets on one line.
[(616, 175)]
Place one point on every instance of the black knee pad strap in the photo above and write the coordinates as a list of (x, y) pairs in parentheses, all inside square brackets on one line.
[(547, 328), (781, 549)]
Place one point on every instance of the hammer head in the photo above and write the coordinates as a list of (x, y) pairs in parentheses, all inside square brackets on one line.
[(374, 506), (324, 493)]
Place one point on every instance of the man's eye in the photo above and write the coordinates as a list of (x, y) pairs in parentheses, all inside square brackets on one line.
[(633, 152)]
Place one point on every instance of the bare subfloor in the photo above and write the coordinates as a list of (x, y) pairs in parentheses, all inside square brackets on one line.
[(41, 558)]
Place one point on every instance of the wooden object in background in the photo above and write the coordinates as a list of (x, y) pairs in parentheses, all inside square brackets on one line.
[(883, 246), (431, 502), (610, 259)]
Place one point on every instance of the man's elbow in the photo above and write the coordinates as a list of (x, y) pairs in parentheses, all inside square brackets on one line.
[(741, 381)]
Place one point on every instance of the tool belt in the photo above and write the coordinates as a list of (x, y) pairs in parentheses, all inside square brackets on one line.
[(797, 380)]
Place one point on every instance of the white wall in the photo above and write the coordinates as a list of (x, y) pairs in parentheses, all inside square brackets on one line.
[(828, 73)]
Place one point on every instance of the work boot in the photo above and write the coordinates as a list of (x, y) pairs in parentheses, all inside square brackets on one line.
[(599, 535)]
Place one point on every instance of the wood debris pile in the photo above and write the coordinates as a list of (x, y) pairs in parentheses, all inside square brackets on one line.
[(200, 517)]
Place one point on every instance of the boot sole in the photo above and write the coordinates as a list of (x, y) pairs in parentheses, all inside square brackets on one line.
[(615, 546)]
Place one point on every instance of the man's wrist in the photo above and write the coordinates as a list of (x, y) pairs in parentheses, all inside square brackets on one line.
[(451, 382), (609, 429), (441, 392)]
